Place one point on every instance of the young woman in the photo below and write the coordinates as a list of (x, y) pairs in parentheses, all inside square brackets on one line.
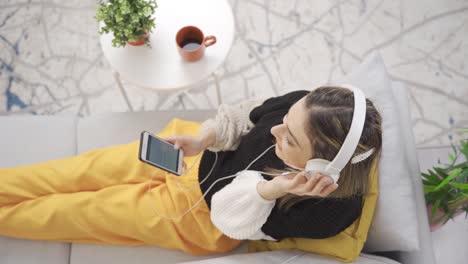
[(102, 196)]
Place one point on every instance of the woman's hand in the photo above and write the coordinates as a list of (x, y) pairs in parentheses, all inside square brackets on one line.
[(189, 144), (317, 185), (193, 145)]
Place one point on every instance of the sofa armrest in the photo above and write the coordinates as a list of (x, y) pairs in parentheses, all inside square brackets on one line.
[(32, 139)]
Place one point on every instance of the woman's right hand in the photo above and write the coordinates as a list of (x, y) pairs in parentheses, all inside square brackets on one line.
[(189, 144), (192, 145)]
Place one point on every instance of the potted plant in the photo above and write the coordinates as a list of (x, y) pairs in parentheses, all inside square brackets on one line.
[(446, 187), (129, 20)]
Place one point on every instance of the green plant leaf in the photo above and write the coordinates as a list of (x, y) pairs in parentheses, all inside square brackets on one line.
[(434, 208), (461, 197), (460, 185), (451, 157), (427, 183), (99, 14), (463, 177), (431, 177), (460, 165), (440, 172), (428, 189), (147, 11), (464, 150), (452, 175)]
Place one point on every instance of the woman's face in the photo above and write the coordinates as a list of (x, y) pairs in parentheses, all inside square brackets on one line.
[(292, 144)]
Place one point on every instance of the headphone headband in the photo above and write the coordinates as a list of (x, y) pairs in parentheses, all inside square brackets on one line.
[(355, 131)]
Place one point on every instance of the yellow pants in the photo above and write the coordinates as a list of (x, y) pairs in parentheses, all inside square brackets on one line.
[(104, 196)]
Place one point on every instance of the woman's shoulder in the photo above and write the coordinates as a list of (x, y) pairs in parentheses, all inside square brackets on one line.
[(290, 97)]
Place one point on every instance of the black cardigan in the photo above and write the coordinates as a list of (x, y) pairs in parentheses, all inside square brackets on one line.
[(312, 218)]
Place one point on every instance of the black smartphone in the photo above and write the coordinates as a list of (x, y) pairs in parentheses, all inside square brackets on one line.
[(159, 153)]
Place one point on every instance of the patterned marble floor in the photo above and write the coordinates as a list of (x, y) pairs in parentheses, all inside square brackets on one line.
[(51, 61)]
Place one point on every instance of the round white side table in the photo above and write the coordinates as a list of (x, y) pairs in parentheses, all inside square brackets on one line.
[(160, 67)]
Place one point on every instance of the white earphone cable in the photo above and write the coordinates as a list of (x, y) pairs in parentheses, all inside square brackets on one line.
[(356, 159), (198, 202)]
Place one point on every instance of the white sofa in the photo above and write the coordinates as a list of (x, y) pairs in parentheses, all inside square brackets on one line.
[(30, 139)]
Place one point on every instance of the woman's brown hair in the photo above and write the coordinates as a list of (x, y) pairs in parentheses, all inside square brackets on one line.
[(330, 113)]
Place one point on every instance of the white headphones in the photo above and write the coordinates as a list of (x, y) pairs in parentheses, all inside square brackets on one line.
[(334, 167)]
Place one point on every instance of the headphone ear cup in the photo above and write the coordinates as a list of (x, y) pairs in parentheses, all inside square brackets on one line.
[(316, 165), (320, 165)]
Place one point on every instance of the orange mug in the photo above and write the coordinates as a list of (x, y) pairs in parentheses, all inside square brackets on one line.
[(191, 43)]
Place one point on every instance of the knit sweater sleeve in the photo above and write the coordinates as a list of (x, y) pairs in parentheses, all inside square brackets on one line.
[(313, 218), (239, 211), (231, 123)]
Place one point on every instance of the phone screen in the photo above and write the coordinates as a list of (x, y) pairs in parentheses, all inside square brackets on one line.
[(162, 154)]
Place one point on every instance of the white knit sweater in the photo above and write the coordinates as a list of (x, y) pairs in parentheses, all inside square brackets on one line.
[(231, 122), (238, 210)]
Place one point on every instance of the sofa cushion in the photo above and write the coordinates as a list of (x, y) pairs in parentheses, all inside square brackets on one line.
[(288, 256), (117, 128), (32, 139), (99, 254), (18, 251)]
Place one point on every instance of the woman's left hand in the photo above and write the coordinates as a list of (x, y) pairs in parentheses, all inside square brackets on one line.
[(298, 184), (317, 185)]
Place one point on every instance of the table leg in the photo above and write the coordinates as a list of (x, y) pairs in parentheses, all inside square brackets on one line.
[(119, 83), (190, 98), (218, 92)]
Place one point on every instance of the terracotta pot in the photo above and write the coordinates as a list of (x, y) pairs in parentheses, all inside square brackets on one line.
[(139, 42), (439, 219)]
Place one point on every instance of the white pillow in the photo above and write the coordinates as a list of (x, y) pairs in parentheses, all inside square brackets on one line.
[(394, 226)]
